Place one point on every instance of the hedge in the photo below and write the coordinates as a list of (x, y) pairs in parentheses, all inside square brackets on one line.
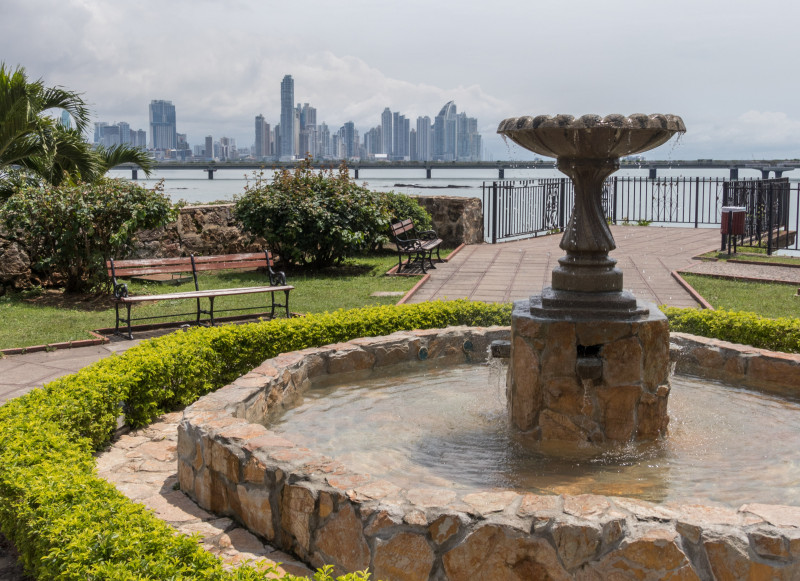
[(69, 524), (738, 327)]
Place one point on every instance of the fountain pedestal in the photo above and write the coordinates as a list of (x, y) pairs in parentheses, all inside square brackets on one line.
[(589, 379), (589, 363)]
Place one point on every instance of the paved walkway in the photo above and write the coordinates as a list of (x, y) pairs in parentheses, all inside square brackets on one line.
[(515, 270)]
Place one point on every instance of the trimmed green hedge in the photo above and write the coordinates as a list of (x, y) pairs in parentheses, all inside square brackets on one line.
[(69, 524), (738, 327)]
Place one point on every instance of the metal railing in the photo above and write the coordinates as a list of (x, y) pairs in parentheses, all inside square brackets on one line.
[(522, 209)]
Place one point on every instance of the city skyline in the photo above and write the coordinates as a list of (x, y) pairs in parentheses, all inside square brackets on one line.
[(714, 63), (451, 137)]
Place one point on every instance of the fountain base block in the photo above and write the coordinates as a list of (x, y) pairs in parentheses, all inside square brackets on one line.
[(589, 373)]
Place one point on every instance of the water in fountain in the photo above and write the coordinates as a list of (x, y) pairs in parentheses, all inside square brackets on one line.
[(449, 427)]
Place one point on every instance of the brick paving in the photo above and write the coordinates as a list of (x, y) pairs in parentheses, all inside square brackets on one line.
[(514, 270)]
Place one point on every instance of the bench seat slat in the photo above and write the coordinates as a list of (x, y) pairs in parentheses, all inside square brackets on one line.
[(205, 294), (250, 264)]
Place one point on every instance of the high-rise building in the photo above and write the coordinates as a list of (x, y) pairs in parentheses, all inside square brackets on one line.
[(66, 120), (139, 138), (98, 131), (349, 137), (445, 130), (288, 144), (209, 150), (424, 139), (263, 135), (386, 130), (124, 132), (469, 140), (163, 133)]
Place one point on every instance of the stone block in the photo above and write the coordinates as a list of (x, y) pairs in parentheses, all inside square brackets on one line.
[(226, 461), (493, 552), (444, 528), (297, 507), (577, 542), (256, 512), (350, 359), (622, 362), (340, 541), (525, 394), (404, 557), (618, 410)]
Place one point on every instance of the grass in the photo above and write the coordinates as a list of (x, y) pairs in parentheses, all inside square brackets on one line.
[(43, 317), (767, 299), (753, 255)]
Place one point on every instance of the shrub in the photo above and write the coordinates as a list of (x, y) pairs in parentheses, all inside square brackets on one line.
[(69, 524), (311, 217), (401, 207), (71, 230), (738, 327)]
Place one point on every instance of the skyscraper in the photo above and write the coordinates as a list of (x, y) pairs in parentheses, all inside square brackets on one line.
[(209, 147), (288, 144), (445, 130), (262, 138), (163, 133), (386, 131), (424, 139)]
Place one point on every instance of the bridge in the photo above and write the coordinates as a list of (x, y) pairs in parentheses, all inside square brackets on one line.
[(766, 167)]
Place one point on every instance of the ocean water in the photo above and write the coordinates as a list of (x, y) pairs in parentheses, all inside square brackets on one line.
[(193, 185)]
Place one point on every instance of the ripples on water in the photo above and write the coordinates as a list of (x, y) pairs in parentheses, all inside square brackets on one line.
[(431, 427)]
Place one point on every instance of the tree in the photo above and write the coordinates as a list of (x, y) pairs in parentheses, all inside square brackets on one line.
[(35, 146)]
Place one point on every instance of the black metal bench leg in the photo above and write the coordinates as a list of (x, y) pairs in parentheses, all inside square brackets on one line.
[(211, 311), (116, 326), (272, 312), (288, 315), (130, 333), (199, 310)]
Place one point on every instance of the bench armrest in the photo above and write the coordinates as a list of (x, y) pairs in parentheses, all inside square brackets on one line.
[(428, 235), (408, 245), (277, 278), (120, 290)]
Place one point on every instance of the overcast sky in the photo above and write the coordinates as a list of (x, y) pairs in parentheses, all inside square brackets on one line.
[(728, 67)]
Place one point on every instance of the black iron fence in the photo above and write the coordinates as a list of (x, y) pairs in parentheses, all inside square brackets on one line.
[(522, 209)]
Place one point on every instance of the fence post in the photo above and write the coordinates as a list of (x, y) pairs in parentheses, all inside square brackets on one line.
[(562, 199), (494, 212), (614, 207), (696, 201), (724, 203), (769, 217)]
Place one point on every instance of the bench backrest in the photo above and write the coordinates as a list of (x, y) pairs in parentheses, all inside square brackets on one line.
[(400, 228), (193, 264)]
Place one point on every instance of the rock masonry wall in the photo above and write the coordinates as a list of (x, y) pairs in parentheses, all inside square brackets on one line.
[(313, 506), (211, 229)]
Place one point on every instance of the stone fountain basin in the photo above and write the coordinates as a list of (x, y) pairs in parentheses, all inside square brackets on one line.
[(591, 136), (315, 507)]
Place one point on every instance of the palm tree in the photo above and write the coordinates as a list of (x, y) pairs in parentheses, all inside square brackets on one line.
[(35, 145)]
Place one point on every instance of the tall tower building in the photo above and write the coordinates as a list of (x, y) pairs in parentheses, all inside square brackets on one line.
[(424, 138), (445, 131), (163, 133), (386, 131), (288, 144), (262, 138), (209, 147)]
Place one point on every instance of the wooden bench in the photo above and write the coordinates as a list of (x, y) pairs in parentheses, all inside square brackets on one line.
[(194, 264), (419, 246)]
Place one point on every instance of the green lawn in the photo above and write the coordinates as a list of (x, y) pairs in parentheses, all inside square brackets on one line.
[(752, 255), (36, 318), (763, 298)]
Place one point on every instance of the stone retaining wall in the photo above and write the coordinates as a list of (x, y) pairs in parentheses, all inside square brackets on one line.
[(314, 507)]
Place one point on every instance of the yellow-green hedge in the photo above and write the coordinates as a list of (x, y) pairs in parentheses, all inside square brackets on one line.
[(738, 327), (69, 524)]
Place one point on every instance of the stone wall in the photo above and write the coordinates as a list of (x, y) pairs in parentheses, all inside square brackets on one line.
[(314, 507), (456, 220)]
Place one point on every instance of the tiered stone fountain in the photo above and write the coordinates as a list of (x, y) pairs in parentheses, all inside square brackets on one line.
[(589, 362)]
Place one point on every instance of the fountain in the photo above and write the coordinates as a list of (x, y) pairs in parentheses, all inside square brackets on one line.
[(589, 362)]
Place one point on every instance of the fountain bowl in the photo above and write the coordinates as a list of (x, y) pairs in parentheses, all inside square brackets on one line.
[(591, 136)]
